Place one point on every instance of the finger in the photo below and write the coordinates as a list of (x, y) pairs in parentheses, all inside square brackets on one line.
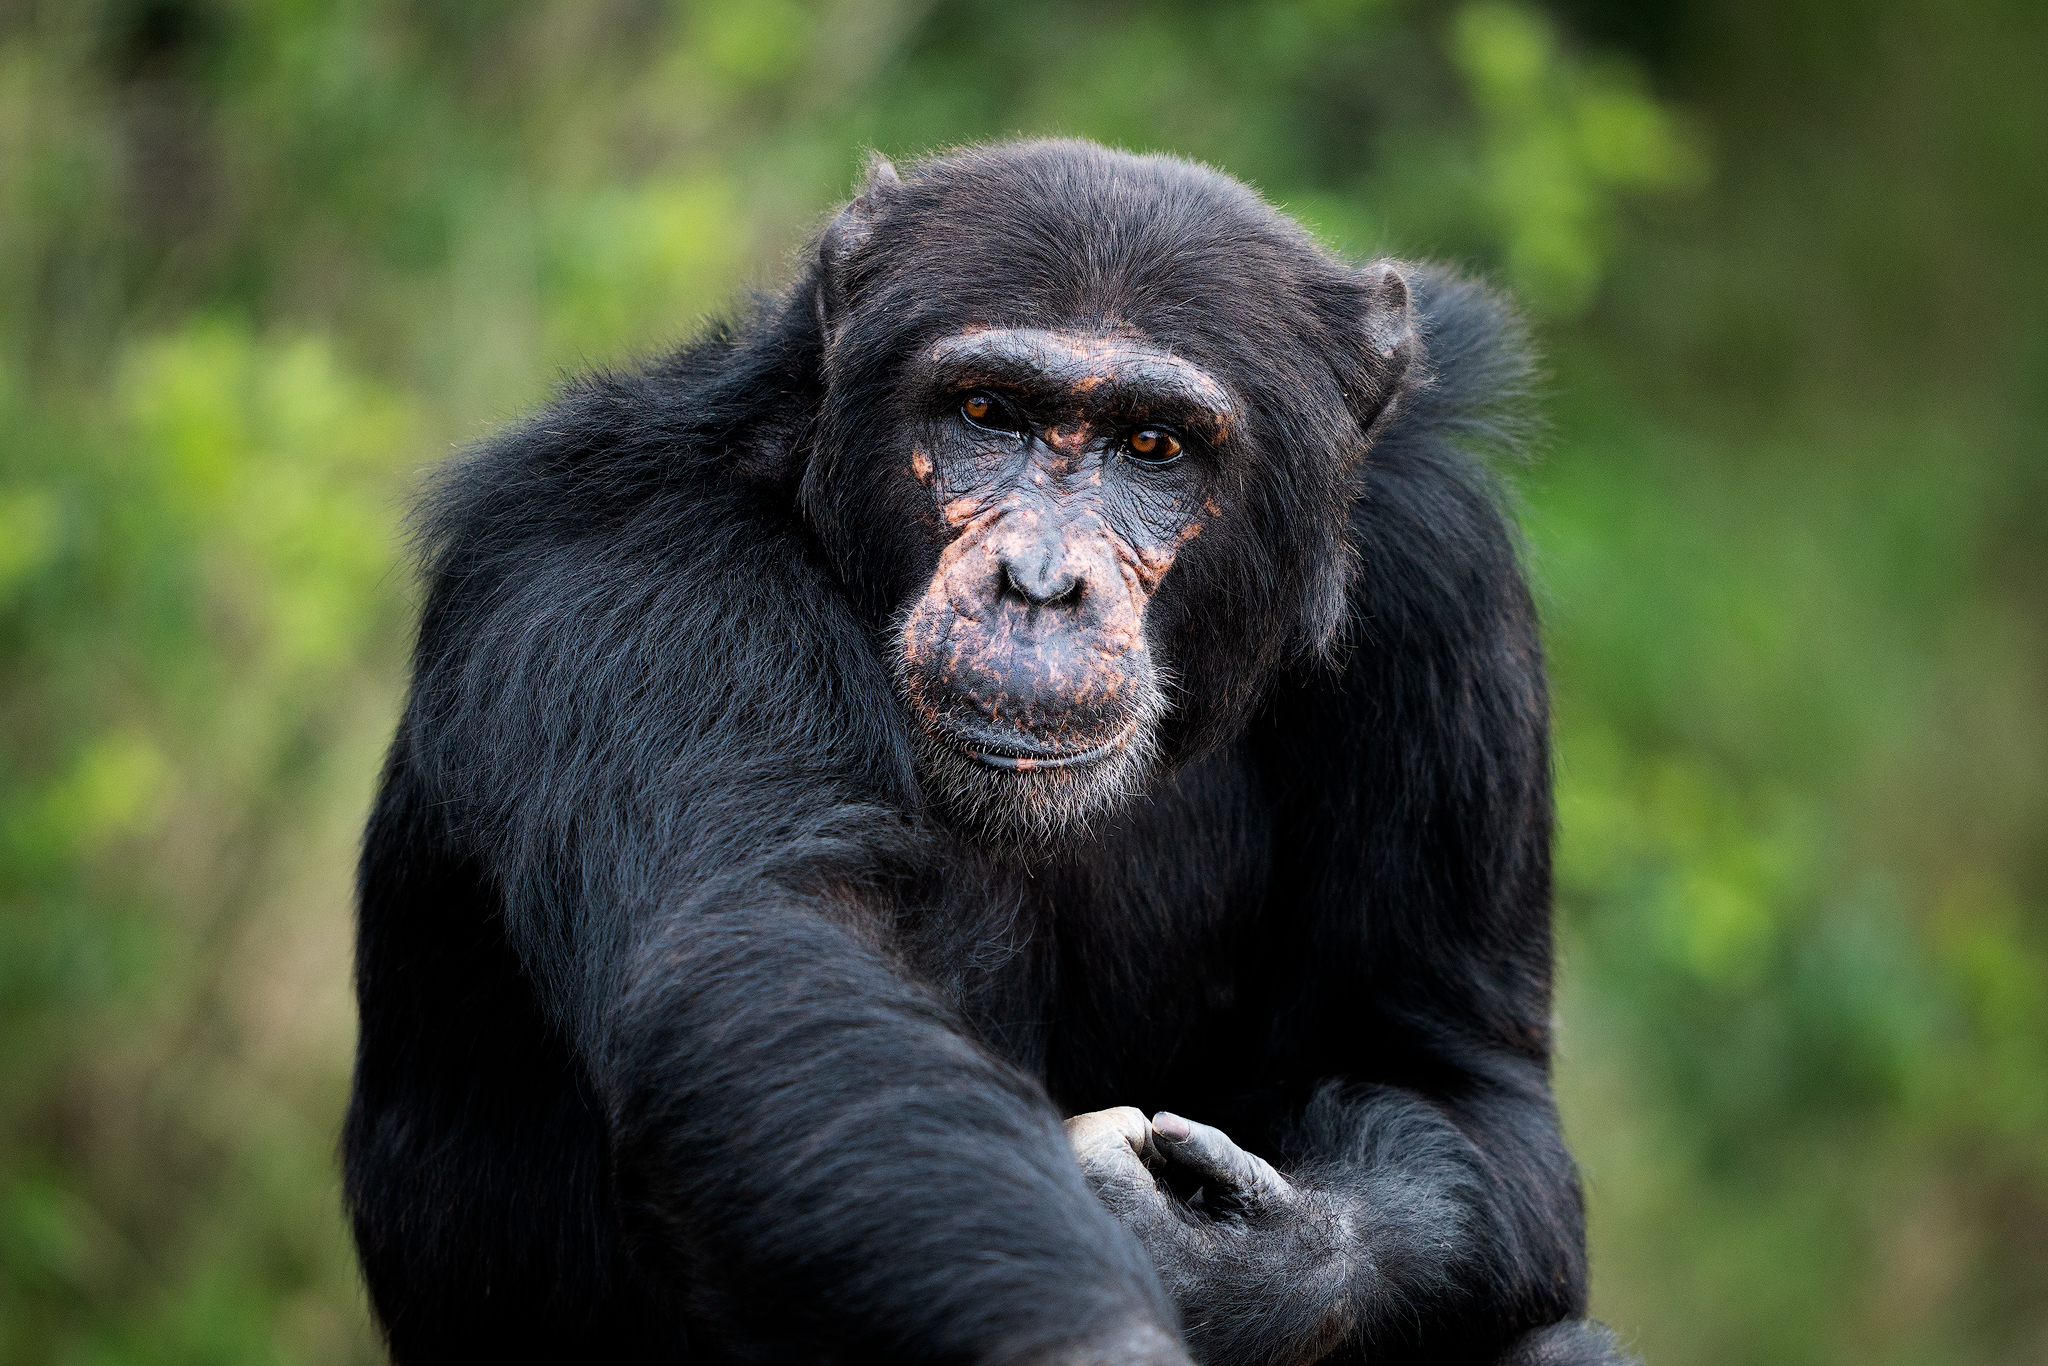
[(1209, 1153), (1105, 1129), (1107, 1144)]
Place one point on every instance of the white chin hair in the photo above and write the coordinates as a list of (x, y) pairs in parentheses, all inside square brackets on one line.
[(1024, 808)]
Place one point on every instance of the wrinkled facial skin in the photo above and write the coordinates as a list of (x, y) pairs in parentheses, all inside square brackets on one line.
[(1025, 661)]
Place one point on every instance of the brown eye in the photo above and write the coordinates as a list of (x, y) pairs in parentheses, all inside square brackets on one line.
[(1153, 445), (986, 410)]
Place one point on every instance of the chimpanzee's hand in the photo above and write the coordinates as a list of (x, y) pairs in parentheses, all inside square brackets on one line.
[(1258, 1264)]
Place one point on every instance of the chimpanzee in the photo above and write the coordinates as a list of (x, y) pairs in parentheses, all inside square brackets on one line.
[(1063, 660)]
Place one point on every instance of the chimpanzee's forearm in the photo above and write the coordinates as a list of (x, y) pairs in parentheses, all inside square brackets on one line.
[(798, 1125), (1393, 1223), (1463, 1212)]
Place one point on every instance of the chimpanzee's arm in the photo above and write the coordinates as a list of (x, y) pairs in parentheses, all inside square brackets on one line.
[(653, 723), (1423, 1201), (1423, 1014)]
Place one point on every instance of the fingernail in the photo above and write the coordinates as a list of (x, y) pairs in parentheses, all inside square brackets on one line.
[(1171, 1125)]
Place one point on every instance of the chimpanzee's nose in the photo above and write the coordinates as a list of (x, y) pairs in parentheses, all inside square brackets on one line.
[(1040, 578)]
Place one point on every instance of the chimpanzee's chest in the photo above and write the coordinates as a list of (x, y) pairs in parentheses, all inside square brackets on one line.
[(1125, 971)]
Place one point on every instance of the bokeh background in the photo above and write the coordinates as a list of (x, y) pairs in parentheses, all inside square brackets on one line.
[(262, 263)]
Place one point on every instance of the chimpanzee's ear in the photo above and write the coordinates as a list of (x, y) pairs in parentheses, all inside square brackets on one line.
[(1378, 358), (842, 238), (1392, 345)]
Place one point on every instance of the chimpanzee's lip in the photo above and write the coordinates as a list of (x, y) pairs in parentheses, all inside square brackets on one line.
[(1011, 757), (1020, 763)]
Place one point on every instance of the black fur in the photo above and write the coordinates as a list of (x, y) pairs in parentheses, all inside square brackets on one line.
[(688, 1023)]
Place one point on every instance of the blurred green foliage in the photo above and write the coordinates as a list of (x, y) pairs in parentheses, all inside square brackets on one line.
[(261, 262)]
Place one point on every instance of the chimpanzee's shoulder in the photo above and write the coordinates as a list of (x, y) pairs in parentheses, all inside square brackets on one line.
[(680, 454)]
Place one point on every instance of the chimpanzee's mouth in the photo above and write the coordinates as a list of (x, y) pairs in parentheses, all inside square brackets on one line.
[(1019, 763), (1011, 757)]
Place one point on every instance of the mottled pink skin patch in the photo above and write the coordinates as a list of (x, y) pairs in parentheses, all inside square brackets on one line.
[(1046, 680)]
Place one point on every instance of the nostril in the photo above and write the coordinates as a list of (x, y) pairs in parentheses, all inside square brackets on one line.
[(1045, 588)]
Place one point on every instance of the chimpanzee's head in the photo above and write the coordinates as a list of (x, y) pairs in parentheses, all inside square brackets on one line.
[(1091, 431)]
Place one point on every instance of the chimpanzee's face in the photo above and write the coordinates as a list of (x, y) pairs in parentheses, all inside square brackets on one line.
[(1069, 468)]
